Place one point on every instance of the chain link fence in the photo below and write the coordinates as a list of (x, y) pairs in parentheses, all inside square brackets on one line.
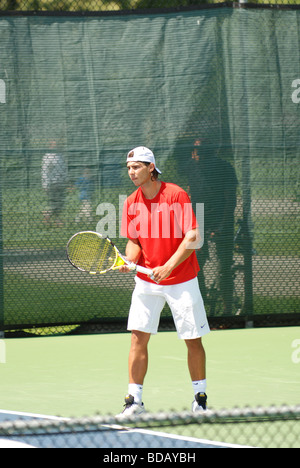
[(116, 6), (178, 432), (213, 90)]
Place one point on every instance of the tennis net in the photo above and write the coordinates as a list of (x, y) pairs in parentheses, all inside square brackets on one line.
[(272, 427)]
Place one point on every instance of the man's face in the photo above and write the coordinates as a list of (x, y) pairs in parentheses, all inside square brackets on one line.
[(195, 152), (139, 173)]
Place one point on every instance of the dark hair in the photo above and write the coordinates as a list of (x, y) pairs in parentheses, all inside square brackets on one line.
[(154, 173)]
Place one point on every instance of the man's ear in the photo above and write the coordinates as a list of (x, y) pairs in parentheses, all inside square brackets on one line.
[(151, 167)]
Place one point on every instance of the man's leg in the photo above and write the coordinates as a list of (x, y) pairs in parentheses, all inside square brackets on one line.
[(137, 369), (197, 368), (138, 357), (196, 359)]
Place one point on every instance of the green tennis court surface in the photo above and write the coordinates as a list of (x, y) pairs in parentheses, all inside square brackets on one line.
[(81, 375), (77, 376)]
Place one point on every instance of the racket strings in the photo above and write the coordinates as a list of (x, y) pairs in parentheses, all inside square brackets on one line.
[(91, 253), (105, 258)]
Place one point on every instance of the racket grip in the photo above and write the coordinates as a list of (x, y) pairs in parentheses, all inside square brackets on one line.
[(144, 270)]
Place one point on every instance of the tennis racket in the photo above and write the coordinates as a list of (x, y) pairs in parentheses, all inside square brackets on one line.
[(90, 252)]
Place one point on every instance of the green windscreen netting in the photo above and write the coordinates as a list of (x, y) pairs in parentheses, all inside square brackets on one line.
[(213, 92)]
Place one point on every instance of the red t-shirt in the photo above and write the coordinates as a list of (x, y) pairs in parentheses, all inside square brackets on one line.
[(160, 225)]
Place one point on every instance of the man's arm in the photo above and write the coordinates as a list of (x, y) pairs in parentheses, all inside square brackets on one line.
[(132, 252)]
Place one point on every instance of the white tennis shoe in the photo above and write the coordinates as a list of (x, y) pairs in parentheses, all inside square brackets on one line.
[(199, 404), (131, 408)]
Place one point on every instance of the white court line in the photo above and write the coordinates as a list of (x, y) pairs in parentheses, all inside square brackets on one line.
[(189, 439), (12, 444), (33, 415), (5, 443)]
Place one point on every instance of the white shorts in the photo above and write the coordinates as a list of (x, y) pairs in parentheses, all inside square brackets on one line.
[(184, 300)]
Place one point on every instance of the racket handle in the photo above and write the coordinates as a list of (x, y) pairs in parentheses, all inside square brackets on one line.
[(144, 270)]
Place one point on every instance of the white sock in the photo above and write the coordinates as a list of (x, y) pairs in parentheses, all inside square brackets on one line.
[(199, 386), (136, 391)]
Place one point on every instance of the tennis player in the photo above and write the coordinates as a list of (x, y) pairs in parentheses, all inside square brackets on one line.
[(162, 232)]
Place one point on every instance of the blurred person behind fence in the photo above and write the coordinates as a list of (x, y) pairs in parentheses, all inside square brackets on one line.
[(213, 181), (54, 181)]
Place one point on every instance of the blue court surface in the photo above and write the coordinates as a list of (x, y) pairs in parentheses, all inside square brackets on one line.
[(47, 435)]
